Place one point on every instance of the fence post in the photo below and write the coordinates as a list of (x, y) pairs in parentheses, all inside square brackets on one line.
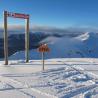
[(5, 38), (27, 40)]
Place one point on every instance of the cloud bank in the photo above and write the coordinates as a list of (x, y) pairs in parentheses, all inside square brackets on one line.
[(17, 29)]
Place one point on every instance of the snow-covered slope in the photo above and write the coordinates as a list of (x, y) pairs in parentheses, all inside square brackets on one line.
[(59, 79), (84, 45)]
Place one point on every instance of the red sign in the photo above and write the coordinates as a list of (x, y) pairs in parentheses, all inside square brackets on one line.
[(43, 48), (17, 15)]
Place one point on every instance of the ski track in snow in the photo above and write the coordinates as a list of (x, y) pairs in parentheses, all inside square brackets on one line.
[(64, 82)]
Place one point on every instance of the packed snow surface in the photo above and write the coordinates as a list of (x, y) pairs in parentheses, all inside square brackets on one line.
[(60, 79)]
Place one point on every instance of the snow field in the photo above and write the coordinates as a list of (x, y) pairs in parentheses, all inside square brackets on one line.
[(61, 79)]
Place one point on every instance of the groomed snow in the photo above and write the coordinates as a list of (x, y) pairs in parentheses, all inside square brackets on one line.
[(62, 78)]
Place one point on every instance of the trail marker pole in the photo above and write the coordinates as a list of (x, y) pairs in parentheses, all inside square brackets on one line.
[(43, 48), (43, 60)]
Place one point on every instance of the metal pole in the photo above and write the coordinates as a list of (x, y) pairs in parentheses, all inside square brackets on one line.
[(27, 40), (5, 38), (43, 60)]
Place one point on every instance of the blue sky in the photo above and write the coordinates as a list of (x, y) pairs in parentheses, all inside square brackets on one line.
[(53, 13)]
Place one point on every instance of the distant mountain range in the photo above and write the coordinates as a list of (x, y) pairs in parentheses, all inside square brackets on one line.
[(16, 42), (62, 46)]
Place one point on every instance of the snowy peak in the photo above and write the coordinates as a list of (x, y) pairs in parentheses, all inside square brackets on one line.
[(83, 37), (87, 36)]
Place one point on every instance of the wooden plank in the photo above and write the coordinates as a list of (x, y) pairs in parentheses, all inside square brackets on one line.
[(17, 15)]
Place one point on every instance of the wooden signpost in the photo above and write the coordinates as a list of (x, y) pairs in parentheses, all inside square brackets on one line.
[(43, 48), (16, 15)]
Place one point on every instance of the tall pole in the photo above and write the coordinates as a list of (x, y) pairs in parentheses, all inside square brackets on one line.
[(27, 40), (5, 39)]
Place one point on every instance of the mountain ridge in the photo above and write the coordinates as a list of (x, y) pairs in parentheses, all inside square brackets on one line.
[(67, 47)]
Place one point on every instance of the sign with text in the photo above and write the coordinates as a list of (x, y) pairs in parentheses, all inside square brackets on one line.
[(43, 48), (17, 15)]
